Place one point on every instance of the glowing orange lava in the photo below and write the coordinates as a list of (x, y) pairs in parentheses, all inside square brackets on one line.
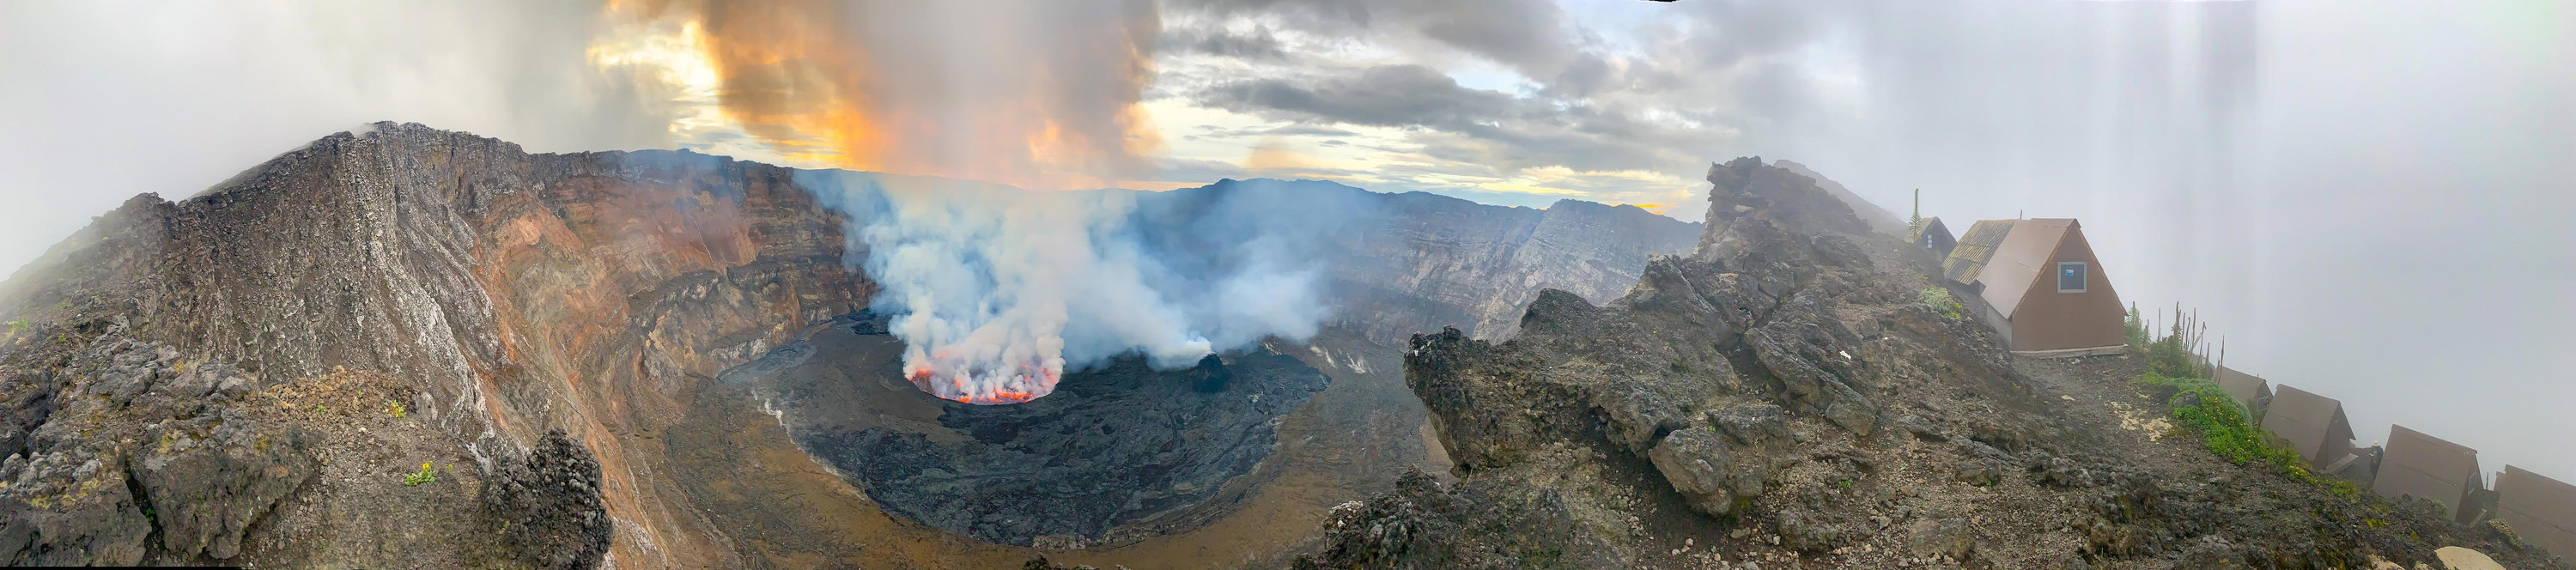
[(923, 377)]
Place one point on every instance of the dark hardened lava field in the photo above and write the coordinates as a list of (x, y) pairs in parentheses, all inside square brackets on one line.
[(1118, 453)]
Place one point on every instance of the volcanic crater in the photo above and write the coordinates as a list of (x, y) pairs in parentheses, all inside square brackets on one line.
[(686, 319), (1121, 451)]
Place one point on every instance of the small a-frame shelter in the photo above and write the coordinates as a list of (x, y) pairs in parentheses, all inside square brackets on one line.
[(2247, 388), (2432, 468), (2046, 292), (2541, 509), (1935, 237), (2313, 424)]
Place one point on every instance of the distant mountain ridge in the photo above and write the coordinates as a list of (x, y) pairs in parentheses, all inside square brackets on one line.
[(1417, 261)]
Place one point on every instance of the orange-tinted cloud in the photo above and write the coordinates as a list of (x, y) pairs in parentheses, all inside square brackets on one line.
[(1036, 93)]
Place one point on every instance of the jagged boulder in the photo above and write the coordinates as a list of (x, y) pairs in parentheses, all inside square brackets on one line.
[(1809, 530), (209, 478), (1493, 406), (1700, 465), (548, 505), (1667, 291), (71, 508), (1498, 525), (1806, 363), (1751, 423), (1947, 537), (1635, 413)]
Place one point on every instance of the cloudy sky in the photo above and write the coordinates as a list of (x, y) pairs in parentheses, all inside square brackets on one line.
[(2368, 199)]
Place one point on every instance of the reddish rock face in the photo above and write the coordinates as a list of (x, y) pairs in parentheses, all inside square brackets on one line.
[(516, 292)]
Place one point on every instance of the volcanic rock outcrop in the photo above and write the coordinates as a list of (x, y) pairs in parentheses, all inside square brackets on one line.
[(548, 505), (1780, 398), (258, 373)]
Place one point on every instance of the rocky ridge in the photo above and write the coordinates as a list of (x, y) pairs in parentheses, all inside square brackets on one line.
[(1780, 399)]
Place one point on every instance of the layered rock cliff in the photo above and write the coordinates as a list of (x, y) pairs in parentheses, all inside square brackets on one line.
[(326, 357), (499, 293)]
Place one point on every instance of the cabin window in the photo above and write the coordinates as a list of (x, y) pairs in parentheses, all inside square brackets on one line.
[(2070, 277)]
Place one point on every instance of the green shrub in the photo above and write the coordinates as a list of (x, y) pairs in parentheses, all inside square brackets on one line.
[(2223, 424), (2135, 327), (1939, 300), (2168, 357), (423, 477), (16, 326)]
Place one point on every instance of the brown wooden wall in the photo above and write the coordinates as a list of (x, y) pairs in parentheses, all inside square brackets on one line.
[(2049, 320)]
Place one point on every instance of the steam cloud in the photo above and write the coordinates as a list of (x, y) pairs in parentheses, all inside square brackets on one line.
[(998, 290)]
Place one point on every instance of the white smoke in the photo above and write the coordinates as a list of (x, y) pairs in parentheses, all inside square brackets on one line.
[(996, 290)]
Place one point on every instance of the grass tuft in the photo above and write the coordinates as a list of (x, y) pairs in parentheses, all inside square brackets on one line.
[(1939, 299), (2228, 430)]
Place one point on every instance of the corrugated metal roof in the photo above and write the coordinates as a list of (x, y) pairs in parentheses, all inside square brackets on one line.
[(2541, 509), (2246, 388), (1969, 258), (2306, 419), (2016, 263), (2418, 464)]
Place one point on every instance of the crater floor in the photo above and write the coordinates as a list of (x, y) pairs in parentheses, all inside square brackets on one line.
[(1118, 453)]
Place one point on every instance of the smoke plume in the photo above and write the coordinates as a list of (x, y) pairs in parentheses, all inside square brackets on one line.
[(1040, 94), (998, 290), (995, 289)]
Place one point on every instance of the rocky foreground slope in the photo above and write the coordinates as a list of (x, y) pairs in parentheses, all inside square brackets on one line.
[(348, 354), (1781, 399)]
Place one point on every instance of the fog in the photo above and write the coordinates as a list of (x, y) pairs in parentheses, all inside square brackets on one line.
[(2370, 200), (2373, 201)]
